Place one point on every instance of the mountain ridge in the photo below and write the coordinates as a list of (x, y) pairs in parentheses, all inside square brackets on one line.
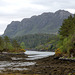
[(45, 23)]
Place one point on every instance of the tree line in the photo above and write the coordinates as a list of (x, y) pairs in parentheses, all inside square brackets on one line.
[(35, 40), (8, 45), (66, 43)]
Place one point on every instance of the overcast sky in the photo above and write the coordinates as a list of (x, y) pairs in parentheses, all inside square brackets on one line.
[(12, 10)]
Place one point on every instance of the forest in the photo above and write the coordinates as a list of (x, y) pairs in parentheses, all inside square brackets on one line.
[(38, 41), (33, 41), (66, 44), (8, 45)]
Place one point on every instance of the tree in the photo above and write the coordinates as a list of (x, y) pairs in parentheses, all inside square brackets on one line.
[(15, 44), (67, 33), (22, 45), (67, 27), (1, 44), (10, 47), (6, 41)]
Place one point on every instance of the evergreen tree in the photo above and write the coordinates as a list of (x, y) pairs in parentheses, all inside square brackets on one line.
[(1, 44), (68, 26), (67, 39), (6, 42), (22, 45), (15, 44)]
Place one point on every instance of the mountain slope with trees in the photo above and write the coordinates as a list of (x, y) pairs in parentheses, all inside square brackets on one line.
[(48, 23), (33, 40)]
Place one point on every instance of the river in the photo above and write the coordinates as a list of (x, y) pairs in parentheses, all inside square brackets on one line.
[(37, 54), (19, 63)]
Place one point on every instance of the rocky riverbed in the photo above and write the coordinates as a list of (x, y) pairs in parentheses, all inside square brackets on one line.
[(45, 66)]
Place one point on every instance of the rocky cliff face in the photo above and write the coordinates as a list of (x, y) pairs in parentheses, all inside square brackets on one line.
[(45, 23)]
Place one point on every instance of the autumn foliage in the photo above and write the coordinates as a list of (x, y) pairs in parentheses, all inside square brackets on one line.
[(58, 52), (22, 50)]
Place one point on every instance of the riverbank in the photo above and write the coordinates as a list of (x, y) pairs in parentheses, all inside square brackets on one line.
[(8, 56), (51, 66), (44, 66)]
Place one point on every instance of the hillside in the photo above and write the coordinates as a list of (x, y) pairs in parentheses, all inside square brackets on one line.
[(45, 23), (33, 40)]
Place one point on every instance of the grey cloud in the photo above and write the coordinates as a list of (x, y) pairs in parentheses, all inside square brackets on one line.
[(3, 3), (49, 2), (56, 3)]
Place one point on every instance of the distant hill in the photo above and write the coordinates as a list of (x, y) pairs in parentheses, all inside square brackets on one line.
[(34, 40), (45, 23)]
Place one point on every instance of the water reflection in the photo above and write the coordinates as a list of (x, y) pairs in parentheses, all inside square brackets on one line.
[(6, 65), (37, 55)]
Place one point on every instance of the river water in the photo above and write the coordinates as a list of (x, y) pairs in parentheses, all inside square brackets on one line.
[(37, 54), (20, 65)]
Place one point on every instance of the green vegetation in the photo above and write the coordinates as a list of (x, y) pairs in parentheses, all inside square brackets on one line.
[(67, 37), (7, 46), (22, 45), (51, 45), (38, 41)]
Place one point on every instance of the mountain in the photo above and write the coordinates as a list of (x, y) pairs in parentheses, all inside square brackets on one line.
[(45, 23)]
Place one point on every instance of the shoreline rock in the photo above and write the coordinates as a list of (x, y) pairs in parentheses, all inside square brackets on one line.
[(8, 56), (47, 66)]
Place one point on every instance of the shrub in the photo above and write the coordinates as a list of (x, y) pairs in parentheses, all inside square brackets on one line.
[(58, 52), (22, 50)]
